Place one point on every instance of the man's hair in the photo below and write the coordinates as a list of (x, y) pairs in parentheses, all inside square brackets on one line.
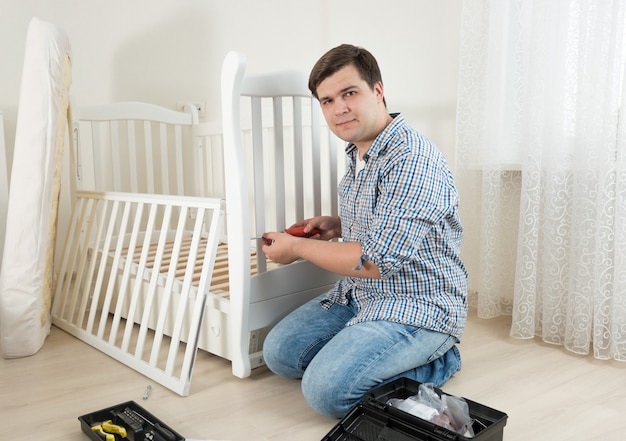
[(340, 57)]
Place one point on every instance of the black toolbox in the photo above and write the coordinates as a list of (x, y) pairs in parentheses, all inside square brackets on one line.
[(374, 420), (133, 421)]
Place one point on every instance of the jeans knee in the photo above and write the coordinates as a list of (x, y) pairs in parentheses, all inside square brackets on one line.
[(270, 359), (278, 358), (326, 396)]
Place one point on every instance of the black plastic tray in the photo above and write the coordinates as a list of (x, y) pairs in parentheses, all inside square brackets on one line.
[(163, 431), (374, 420)]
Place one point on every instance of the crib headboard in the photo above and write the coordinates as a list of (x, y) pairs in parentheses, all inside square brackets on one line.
[(136, 147), (293, 163), (282, 165)]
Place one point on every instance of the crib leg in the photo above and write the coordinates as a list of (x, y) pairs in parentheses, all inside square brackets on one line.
[(241, 358)]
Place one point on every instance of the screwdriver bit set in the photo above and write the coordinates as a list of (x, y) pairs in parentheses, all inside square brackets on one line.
[(126, 422)]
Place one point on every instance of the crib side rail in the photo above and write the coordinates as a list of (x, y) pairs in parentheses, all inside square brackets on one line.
[(129, 298)]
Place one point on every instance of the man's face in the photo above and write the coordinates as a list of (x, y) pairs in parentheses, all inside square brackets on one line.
[(353, 111)]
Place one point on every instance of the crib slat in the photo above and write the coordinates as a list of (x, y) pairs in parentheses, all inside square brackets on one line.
[(159, 331), (258, 148), (207, 268), (279, 162), (97, 153), (137, 212), (165, 172), (107, 213), (316, 161), (101, 276), (132, 156), (111, 289), (334, 164), (152, 288), (208, 155), (298, 147), (257, 164), (147, 133), (116, 155), (178, 163), (140, 270), (180, 313)]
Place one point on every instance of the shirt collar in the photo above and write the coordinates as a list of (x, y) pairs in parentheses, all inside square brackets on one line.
[(381, 140)]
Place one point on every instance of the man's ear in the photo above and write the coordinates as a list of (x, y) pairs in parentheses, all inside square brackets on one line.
[(379, 90)]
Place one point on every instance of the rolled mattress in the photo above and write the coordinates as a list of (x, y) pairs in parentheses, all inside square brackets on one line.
[(27, 272)]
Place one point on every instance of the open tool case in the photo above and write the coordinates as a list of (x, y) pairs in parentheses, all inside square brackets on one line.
[(128, 419), (375, 420)]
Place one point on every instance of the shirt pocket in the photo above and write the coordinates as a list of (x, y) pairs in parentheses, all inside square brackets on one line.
[(365, 205)]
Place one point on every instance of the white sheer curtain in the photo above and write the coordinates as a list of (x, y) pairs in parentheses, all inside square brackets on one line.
[(541, 147)]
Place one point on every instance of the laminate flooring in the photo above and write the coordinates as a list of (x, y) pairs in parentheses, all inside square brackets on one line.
[(547, 393)]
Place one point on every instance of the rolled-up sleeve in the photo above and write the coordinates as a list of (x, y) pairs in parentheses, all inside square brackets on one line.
[(410, 198)]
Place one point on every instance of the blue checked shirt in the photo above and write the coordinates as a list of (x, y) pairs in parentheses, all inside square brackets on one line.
[(403, 209)]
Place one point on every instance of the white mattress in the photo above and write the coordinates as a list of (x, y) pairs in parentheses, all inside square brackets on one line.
[(4, 186), (26, 276)]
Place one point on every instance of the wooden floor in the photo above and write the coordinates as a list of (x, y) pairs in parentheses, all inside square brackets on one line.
[(548, 393)]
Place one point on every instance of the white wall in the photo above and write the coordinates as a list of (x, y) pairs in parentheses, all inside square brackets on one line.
[(164, 51)]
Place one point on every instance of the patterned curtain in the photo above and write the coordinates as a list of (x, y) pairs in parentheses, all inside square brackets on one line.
[(541, 146)]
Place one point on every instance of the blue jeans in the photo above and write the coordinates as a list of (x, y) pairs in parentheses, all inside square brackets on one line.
[(338, 364)]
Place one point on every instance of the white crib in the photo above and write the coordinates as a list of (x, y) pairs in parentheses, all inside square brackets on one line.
[(150, 271)]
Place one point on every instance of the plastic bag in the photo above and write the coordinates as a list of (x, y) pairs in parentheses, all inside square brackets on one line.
[(446, 411)]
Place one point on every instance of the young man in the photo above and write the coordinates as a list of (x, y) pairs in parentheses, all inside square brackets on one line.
[(402, 306)]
